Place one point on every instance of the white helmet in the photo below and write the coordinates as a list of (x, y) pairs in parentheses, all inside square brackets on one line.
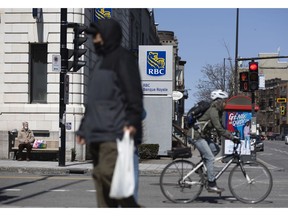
[(219, 94)]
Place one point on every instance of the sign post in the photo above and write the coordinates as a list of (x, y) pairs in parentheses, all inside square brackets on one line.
[(176, 95)]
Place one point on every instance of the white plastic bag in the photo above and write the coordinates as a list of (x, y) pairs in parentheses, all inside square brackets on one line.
[(123, 181)]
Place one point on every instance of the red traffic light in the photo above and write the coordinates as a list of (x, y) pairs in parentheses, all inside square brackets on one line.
[(244, 76), (253, 66)]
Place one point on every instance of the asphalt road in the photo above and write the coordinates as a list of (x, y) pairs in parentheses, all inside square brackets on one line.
[(26, 190)]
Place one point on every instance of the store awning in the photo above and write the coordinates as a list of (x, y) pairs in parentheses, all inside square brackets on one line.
[(240, 102)]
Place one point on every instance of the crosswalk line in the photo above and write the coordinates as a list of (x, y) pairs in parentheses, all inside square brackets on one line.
[(13, 189), (91, 191), (55, 190), (59, 190)]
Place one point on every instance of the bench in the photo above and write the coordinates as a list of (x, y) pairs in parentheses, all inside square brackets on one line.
[(52, 146)]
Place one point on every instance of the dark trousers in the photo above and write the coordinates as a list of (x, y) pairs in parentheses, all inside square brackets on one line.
[(104, 160), (22, 146)]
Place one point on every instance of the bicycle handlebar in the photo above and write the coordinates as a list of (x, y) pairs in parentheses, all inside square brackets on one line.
[(236, 145)]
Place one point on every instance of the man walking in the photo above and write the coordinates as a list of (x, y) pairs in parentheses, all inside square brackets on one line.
[(114, 105), (26, 139)]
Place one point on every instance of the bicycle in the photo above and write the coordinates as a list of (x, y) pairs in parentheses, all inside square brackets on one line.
[(250, 182)]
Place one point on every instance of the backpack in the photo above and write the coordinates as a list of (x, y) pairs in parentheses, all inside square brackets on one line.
[(196, 112)]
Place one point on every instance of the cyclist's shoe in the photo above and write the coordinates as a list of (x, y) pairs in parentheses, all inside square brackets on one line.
[(213, 188)]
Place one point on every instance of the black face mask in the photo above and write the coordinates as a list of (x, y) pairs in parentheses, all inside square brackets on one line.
[(99, 49)]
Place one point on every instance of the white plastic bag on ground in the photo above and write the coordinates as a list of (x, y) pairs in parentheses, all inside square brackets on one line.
[(123, 182)]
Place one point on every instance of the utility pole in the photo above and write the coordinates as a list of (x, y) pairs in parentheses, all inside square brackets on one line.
[(224, 70), (64, 69), (236, 55)]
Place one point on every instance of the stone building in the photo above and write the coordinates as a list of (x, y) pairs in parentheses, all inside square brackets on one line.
[(169, 38), (270, 118), (29, 90)]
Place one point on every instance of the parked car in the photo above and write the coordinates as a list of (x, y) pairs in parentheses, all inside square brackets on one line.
[(286, 139), (257, 142), (273, 136)]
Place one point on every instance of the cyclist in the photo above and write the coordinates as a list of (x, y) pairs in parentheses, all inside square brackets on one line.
[(207, 148)]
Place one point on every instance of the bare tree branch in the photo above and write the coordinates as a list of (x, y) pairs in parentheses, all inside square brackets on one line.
[(212, 79)]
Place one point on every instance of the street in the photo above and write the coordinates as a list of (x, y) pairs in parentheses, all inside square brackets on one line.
[(27, 190)]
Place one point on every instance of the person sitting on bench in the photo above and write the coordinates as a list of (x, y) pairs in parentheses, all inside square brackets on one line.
[(26, 139)]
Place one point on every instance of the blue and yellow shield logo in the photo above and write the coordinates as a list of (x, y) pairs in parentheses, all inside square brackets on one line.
[(103, 13), (156, 63)]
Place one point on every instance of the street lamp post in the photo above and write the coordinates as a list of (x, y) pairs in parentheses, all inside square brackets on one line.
[(236, 54)]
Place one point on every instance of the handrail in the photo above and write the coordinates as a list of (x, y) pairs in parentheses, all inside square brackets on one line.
[(179, 128), (182, 131)]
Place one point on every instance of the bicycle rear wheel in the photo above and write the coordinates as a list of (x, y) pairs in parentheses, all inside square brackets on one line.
[(172, 186), (255, 186)]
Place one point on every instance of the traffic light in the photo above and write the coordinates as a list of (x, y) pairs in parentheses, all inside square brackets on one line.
[(281, 100), (253, 76), (244, 82), (77, 52), (282, 110)]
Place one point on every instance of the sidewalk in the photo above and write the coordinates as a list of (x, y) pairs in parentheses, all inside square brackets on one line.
[(146, 167)]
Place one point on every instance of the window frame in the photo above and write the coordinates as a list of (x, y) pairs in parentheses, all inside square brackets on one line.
[(32, 100)]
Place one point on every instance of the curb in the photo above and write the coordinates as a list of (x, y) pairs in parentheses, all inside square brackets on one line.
[(46, 171), (64, 171)]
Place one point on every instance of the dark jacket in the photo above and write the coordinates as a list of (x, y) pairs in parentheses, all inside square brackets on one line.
[(114, 91), (214, 116)]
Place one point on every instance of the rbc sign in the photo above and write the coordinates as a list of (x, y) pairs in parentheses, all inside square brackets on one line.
[(156, 63)]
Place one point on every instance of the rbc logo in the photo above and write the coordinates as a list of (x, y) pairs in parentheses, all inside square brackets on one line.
[(102, 13), (156, 63)]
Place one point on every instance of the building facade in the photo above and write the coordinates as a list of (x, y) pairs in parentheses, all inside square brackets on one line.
[(273, 68), (30, 89), (169, 38), (272, 116)]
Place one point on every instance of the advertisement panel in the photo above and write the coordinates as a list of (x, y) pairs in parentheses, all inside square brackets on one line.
[(239, 122)]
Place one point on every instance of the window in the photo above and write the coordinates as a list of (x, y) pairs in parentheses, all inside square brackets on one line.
[(262, 104), (38, 72), (270, 103)]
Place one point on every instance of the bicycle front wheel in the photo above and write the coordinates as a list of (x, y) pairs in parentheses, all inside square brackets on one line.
[(176, 190), (250, 182)]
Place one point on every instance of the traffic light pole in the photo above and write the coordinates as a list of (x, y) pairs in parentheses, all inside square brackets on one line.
[(64, 69), (253, 120), (260, 58)]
